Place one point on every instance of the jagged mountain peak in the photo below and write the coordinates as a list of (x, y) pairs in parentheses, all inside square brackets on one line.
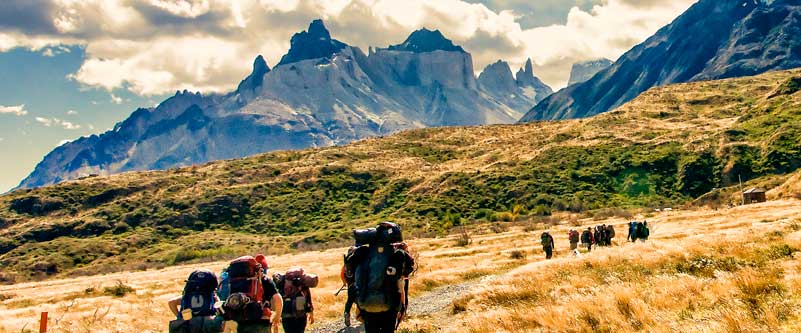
[(314, 43), (256, 76), (425, 40)]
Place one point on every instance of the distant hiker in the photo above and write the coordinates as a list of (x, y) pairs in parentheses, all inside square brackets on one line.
[(573, 237), (632, 237), (587, 239), (381, 270), (547, 244), (642, 231), (254, 302), (195, 309), (295, 287), (610, 234), (597, 236)]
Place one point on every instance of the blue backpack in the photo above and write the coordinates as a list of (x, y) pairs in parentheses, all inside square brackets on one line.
[(224, 289), (199, 293)]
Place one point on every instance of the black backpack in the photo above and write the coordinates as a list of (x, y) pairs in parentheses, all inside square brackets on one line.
[(585, 236), (546, 240), (377, 268), (199, 293)]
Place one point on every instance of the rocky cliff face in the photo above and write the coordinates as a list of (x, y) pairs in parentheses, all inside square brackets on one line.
[(583, 71), (714, 39), (323, 92)]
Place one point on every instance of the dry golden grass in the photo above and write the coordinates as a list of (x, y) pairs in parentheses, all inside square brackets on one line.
[(634, 287)]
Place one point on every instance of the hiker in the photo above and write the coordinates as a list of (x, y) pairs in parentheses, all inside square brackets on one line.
[(348, 283), (587, 239), (643, 232), (547, 244), (573, 237), (254, 302), (295, 287), (381, 271), (632, 237), (610, 234), (598, 237), (195, 309)]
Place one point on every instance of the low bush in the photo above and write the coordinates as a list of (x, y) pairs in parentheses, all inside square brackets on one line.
[(118, 290)]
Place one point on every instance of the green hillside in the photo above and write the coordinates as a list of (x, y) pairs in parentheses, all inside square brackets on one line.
[(667, 147)]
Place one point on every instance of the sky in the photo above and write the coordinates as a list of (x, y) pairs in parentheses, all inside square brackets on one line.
[(71, 68)]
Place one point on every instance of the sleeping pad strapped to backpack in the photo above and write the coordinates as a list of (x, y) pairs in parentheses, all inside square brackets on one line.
[(378, 266)]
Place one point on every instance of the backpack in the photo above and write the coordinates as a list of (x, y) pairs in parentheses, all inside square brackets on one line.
[(294, 287), (610, 232), (586, 236), (377, 267), (573, 236), (245, 302), (199, 292), (546, 240), (224, 288)]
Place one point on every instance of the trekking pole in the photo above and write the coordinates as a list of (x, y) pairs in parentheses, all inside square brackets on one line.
[(344, 286), (43, 323)]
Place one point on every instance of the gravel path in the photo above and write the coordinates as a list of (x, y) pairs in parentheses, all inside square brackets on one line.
[(428, 304)]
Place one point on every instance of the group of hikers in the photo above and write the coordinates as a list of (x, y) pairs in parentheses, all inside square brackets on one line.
[(375, 273), (601, 235)]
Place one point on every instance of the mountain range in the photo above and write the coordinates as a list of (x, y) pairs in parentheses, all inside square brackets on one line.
[(323, 92), (714, 39)]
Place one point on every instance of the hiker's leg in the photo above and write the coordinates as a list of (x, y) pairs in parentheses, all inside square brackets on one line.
[(253, 328), (294, 325), (371, 323), (388, 322)]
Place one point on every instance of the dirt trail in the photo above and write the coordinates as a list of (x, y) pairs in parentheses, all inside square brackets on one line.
[(430, 304)]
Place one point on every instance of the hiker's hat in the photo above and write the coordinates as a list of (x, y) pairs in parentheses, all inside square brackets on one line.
[(262, 260)]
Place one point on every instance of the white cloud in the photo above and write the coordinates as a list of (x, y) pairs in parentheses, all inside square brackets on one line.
[(17, 110), (157, 46), (114, 98), (49, 122), (72, 112)]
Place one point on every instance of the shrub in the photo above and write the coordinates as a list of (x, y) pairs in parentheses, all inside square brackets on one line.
[(118, 290), (517, 255), (463, 239), (499, 228)]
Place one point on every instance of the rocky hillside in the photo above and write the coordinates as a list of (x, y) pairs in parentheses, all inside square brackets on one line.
[(667, 147), (323, 92), (714, 39)]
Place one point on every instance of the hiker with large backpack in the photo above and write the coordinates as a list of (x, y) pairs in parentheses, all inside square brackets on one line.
[(643, 232), (573, 237), (348, 278), (587, 239), (381, 270), (295, 287), (195, 309), (610, 234), (547, 244), (253, 301)]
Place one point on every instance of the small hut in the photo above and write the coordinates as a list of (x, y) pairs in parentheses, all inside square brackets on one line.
[(754, 195)]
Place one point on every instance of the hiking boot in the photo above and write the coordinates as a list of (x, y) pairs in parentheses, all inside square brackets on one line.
[(347, 319)]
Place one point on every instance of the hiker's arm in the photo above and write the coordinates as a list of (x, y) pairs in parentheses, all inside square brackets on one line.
[(311, 306), (173, 304), (278, 307)]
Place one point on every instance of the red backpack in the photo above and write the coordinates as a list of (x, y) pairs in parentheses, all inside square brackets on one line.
[(245, 302), (295, 287)]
